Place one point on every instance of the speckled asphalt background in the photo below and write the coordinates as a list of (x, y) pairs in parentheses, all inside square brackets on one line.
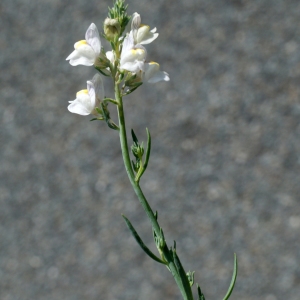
[(224, 171)]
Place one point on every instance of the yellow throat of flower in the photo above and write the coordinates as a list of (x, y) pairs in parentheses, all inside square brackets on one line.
[(80, 43), (82, 92)]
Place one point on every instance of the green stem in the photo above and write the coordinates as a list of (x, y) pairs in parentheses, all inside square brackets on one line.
[(181, 280)]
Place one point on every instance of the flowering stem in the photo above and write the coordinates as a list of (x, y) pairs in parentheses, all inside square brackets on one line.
[(168, 255)]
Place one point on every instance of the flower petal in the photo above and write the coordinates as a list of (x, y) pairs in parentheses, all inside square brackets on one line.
[(82, 105), (96, 90), (92, 93), (73, 55), (153, 74), (80, 60), (136, 21), (77, 107), (93, 39), (150, 37), (145, 35), (159, 76), (82, 55), (135, 24), (134, 66), (127, 44), (132, 55)]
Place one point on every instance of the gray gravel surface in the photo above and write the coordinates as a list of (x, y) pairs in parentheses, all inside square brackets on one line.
[(224, 170)]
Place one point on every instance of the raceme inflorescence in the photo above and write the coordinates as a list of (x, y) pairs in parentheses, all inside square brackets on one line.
[(127, 64)]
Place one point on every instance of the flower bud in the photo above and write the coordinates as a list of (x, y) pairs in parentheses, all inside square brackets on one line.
[(112, 28)]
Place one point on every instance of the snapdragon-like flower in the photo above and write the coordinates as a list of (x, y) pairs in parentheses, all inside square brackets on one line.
[(87, 100), (141, 33), (132, 56), (153, 74), (86, 51)]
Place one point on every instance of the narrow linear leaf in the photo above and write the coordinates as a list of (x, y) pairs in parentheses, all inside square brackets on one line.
[(233, 280), (141, 243), (182, 274), (200, 294), (148, 150), (110, 100), (102, 72), (147, 153), (112, 125)]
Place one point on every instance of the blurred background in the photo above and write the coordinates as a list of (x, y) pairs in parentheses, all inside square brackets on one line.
[(224, 167)]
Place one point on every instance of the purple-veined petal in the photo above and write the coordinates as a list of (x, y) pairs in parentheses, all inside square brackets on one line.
[(135, 24), (93, 39), (98, 85), (92, 93)]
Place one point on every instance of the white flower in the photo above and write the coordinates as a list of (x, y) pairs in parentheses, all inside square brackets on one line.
[(88, 50), (132, 56), (141, 33), (153, 74), (87, 100)]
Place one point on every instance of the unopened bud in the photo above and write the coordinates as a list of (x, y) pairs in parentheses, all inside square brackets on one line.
[(112, 28)]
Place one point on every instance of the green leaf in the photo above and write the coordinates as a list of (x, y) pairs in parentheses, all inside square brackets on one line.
[(99, 111), (233, 280), (95, 119), (148, 150), (103, 72), (141, 243), (112, 125), (182, 273), (200, 295), (105, 100), (134, 138)]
